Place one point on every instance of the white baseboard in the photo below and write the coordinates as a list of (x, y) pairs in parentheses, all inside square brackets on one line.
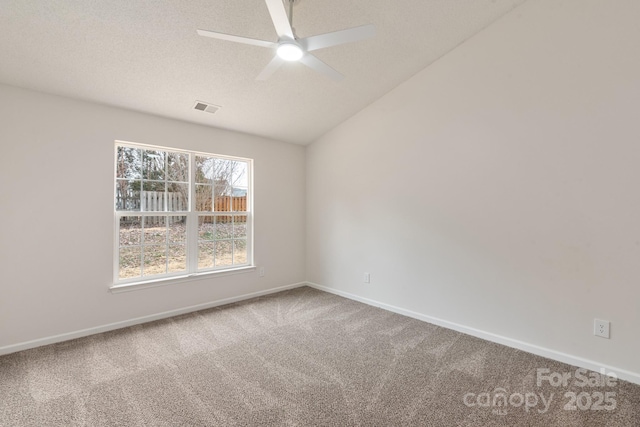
[(138, 320), (509, 342)]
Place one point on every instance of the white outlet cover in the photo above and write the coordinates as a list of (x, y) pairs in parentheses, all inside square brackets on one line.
[(601, 328)]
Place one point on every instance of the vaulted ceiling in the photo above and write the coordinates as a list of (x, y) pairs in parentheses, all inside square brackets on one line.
[(145, 55)]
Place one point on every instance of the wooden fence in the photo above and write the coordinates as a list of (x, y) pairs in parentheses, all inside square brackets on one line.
[(154, 201), (225, 204), (228, 203)]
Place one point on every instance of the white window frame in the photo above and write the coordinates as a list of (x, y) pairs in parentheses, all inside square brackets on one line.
[(192, 237)]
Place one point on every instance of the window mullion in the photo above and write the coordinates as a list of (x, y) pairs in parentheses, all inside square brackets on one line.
[(192, 220)]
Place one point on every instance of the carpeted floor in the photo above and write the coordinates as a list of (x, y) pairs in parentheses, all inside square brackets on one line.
[(299, 358)]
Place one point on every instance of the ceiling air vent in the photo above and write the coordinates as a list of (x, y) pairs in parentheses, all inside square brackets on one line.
[(208, 108)]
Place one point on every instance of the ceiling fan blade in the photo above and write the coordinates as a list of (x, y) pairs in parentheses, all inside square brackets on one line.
[(280, 19), (271, 68), (319, 66), (338, 37), (238, 39)]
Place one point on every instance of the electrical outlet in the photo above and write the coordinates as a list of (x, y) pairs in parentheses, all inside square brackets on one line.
[(601, 328), (261, 272), (367, 278)]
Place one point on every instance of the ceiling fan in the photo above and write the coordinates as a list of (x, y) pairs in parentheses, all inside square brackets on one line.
[(290, 48)]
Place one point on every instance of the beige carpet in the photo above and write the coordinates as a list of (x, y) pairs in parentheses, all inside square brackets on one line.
[(298, 358)]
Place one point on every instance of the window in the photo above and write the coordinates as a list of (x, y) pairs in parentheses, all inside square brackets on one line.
[(179, 213)]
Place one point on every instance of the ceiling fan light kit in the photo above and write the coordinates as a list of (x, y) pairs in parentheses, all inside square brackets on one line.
[(290, 48), (290, 51)]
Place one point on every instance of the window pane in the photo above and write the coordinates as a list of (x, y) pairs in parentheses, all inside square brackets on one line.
[(223, 253), (178, 167), (155, 230), (204, 198), (127, 195), (177, 197), (130, 230), (240, 226), (223, 188), (177, 258), (177, 229), (148, 186), (239, 199), (130, 262), (155, 260), (206, 227), (129, 163), (239, 176), (224, 227), (223, 176), (223, 172), (153, 164), (152, 199), (204, 169), (205, 255), (239, 251), (223, 204)]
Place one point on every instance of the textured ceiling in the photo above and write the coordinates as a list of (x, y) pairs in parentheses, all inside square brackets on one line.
[(145, 55)]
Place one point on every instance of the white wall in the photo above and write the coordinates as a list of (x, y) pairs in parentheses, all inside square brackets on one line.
[(56, 231), (498, 189)]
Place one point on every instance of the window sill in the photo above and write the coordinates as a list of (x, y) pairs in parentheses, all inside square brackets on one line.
[(153, 283)]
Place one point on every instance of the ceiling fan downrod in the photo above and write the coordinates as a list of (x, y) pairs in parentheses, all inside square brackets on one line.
[(291, 12)]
